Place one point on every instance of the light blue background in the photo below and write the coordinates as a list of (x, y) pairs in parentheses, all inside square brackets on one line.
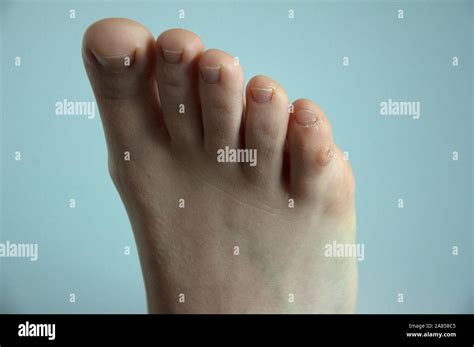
[(408, 250)]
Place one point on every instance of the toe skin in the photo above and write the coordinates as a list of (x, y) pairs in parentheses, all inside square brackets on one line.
[(266, 124), (221, 91), (178, 52)]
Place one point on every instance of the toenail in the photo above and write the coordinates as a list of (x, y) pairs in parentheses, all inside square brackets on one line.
[(307, 118), (261, 95), (210, 74), (172, 56), (325, 155), (116, 62)]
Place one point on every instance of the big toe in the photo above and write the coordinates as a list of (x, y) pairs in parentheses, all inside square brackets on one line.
[(119, 59)]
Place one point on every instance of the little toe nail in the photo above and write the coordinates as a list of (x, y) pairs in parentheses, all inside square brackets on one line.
[(307, 118)]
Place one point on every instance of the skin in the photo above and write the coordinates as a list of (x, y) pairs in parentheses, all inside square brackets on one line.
[(280, 213)]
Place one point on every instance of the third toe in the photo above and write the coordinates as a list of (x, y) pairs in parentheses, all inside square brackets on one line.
[(221, 92)]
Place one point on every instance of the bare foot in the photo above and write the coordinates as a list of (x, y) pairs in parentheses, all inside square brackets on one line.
[(215, 235)]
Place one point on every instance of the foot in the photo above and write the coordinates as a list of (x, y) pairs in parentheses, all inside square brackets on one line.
[(216, 235)]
